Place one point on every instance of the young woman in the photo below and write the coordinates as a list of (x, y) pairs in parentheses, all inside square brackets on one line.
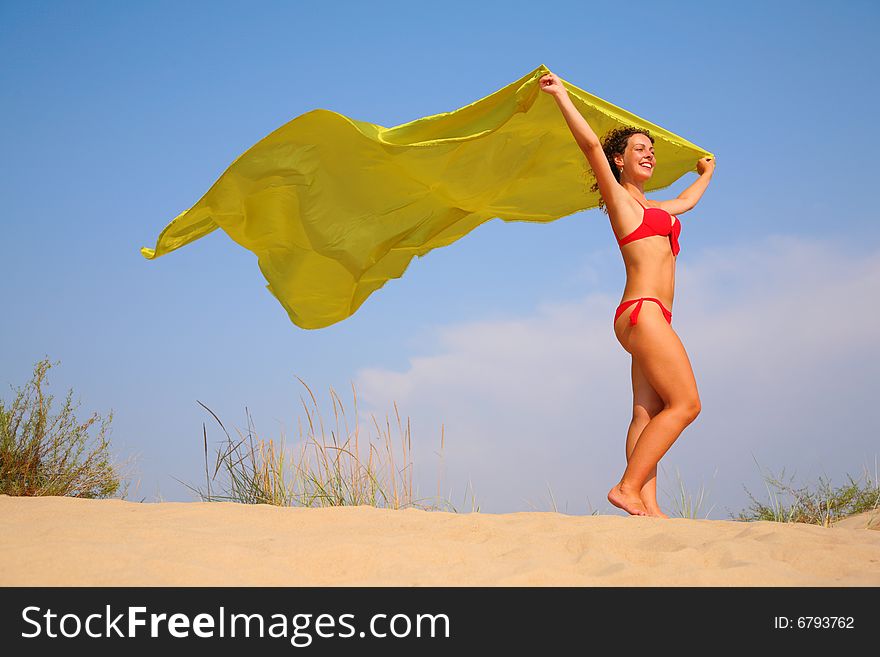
[(665, 397)]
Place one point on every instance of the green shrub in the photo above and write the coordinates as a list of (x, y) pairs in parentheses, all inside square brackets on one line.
[(44, 454), (819, 505)]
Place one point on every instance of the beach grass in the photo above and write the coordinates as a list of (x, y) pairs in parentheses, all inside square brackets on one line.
[(328, 466), (42, 453), (683, 502), (819, 504)]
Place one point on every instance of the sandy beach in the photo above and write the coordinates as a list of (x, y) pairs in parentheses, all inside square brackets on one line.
[(57, 541)]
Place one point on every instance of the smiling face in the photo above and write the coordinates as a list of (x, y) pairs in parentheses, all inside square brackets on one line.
[(638, 159)]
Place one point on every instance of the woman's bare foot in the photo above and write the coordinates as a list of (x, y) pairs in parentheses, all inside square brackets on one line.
[(651, 505), (628, 501)]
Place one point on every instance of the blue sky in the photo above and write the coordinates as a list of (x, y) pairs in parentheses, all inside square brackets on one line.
[(118, 117)]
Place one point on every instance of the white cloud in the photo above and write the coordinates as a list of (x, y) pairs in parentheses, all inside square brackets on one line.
[(782, 334)]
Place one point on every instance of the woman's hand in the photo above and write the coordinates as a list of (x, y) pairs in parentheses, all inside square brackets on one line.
[(705, 165), (552, 85)]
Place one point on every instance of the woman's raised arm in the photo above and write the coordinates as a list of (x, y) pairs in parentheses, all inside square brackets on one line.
[(689, 197), (585, 137)]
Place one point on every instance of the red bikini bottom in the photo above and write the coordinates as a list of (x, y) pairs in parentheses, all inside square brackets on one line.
[(634, 315)]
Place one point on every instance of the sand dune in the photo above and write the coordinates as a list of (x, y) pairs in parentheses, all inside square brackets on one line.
[(868, 520), (63, 541)]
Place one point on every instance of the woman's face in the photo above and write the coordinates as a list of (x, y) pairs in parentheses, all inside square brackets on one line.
[(638, 159)]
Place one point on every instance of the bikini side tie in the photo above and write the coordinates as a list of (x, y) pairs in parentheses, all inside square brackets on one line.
[(634, 315)]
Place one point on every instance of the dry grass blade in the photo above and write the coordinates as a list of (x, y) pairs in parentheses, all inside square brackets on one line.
[(328, 469)]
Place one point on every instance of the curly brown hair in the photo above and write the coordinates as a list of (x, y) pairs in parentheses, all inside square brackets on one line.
[(614, 143)]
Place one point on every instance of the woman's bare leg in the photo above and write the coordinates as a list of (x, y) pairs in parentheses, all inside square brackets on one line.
[(646, 404), (648, 492), (665, 365)]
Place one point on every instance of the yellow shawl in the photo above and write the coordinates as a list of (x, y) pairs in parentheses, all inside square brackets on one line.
[(334, 207)]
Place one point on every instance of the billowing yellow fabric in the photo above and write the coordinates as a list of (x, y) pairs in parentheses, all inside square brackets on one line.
[(334, 207)]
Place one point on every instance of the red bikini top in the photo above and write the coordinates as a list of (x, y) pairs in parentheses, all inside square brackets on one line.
[(656, 221)]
